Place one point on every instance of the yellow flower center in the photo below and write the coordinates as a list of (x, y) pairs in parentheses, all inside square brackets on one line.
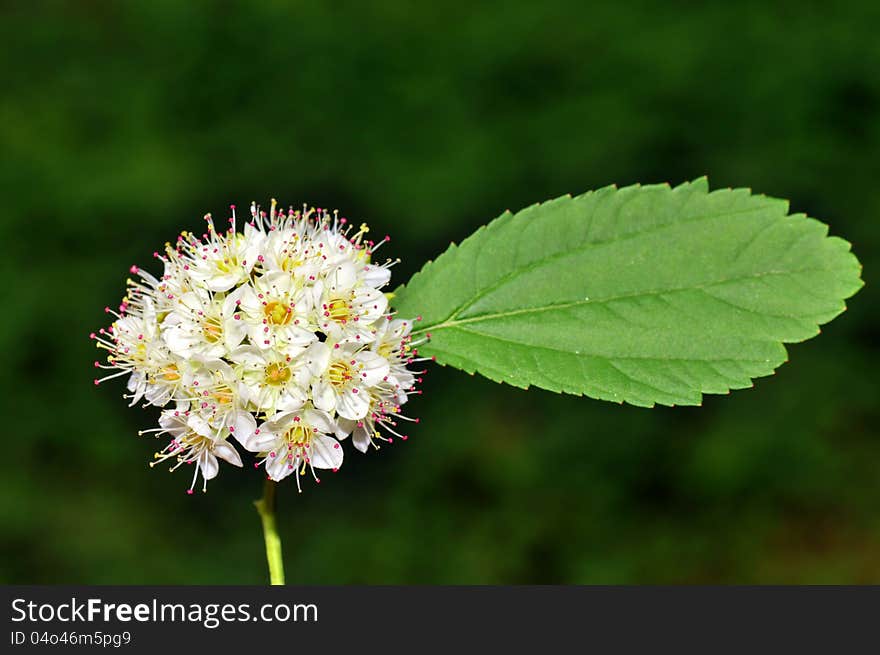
[(289, 264), (338, 310), (227, 265), (277, 374), (339, 374), (298, 435), (171, 373), (277, 313), (223, 395), (212, 331)]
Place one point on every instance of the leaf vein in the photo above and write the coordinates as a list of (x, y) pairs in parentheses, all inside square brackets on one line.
[(584, 247)]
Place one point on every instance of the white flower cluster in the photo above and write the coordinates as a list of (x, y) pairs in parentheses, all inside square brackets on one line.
[(278, 337)]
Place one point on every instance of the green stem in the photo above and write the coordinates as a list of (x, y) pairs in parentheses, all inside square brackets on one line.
[(266, 508)]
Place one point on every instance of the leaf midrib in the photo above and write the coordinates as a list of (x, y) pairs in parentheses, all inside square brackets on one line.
[(455, 322), (654, 358), (585, 247)]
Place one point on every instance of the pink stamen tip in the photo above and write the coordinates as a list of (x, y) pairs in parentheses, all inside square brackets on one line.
[(97, 382), (189, 492), (133, 269)]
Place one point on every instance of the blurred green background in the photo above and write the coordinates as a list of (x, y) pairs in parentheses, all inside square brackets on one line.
[(122, 123)]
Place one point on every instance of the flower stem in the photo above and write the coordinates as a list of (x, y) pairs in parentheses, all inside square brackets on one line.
[(266, 508)]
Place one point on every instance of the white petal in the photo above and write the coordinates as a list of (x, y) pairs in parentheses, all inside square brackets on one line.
[(278, 282), (245, 424), (403, 378), (342, 277), (158, 395), (325, 453), (370, 304), (200, 425), (298, 336), (224, 451), (140, 391), (224, 282), (352, 405), (244, 393), (320, 420), (262, 442), (280, 422), (259, 337), (344, 426), (191, 301), (175, 425), (361, 439), (209, 465), (248, 355), (372, 368), (234, 332), (253, 239), (278, 467), (249, 301), (291, 399), (323, 396), (180, 340), (229, 302), (400, 328), (134, 381), (317, 358), (376, 276), (317, 293)]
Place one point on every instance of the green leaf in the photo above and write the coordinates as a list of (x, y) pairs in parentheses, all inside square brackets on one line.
[(644, 295)]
